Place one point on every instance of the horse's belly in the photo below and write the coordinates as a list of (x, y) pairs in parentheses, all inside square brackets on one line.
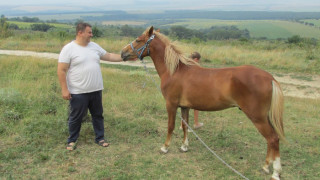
[(207, 105), (215, 107)]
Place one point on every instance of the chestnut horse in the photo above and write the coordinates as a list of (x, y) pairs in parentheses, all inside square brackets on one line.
[(186, 85)]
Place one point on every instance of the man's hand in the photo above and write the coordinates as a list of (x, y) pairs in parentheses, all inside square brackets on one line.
[(66, 94)]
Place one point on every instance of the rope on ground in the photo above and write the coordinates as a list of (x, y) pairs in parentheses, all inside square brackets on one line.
[(203, 143)]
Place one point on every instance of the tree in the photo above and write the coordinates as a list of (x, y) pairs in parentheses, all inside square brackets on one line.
[(130, 31), (13, 26), (41, 27), (27, 19), (181, 32), (96, 32), (126, 31), (226, 32), (296, 39), (4, 28)]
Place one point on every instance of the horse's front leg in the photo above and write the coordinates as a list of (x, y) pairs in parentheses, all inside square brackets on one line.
[(172, 111), (185, 117)]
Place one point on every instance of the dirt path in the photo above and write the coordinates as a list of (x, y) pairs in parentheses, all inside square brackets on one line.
[(292, 84)]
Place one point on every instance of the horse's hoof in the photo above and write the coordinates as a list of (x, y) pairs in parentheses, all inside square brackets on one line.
[(184, 148), (266, 170), (164, 150), (274, 177)]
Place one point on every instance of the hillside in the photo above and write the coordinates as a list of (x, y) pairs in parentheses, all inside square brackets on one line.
[(197, 14)]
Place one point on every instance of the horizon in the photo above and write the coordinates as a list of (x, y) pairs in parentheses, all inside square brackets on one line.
[(16, 7)]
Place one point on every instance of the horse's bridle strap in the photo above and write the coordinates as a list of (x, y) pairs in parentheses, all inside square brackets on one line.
[(142, 49)]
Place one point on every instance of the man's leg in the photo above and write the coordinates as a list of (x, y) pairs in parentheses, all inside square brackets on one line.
[(78, 107), (96, 111)]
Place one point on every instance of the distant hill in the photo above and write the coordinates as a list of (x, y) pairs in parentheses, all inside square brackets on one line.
[(201, 14), (173, 15)]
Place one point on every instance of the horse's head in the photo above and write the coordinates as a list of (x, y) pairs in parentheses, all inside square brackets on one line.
[(139, 48)]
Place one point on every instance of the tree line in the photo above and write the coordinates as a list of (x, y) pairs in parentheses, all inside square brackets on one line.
[(183, 33)]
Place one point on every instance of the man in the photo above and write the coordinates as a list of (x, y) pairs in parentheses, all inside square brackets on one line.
[(81, 82)]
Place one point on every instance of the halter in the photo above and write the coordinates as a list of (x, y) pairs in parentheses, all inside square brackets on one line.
[(146, 45)]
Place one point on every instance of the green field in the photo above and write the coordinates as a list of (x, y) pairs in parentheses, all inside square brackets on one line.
[(27, 25), (33, 116), (316, 22), (135, 23), (33, 132), (270, 29), (270, 55)]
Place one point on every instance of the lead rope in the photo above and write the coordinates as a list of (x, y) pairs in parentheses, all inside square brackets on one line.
[(205, 145)]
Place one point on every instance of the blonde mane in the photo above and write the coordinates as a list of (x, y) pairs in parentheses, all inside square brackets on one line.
[(173, 55)]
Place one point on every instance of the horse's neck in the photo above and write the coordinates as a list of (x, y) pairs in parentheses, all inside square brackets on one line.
[(160, 65), (158, 58)]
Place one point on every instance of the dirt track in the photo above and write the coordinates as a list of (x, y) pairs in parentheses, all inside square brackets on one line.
[(291, 86)]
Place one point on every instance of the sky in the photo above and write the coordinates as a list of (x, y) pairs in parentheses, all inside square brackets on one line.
[(156, 5)]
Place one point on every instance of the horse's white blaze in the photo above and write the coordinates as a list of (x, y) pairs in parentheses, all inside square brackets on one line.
[(276, 169)]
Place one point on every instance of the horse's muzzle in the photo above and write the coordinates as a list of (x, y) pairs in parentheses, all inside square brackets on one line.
[(125, 56)]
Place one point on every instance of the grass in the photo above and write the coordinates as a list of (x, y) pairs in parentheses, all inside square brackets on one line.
[(273, 56), (269, 55), (33, 132), (316, 22)]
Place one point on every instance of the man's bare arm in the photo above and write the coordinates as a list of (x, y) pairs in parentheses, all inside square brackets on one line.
[(112, 57), (62, 75)]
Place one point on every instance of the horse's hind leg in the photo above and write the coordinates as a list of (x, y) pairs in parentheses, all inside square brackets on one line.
[(273, 154), (185, 117), (172, 111)]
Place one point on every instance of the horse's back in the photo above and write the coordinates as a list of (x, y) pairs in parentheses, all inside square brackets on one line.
[(252, 89), (236, 86), (251, 78)]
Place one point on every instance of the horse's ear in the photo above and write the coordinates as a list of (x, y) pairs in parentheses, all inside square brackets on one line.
[(150, 31), (158, 30)]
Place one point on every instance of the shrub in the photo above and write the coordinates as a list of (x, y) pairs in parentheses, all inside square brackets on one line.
[(4, 28), (13, 26), (96, 32), (296, 39), (41, 27)]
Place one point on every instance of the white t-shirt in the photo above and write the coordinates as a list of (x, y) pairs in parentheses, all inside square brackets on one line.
[(84, 74)]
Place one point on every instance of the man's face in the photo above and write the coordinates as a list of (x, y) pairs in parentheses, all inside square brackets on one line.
[(86, 34)]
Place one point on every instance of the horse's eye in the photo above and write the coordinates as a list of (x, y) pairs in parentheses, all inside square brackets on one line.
[(137, 40)]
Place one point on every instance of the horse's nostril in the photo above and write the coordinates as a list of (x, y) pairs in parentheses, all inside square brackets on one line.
[(122, 54)]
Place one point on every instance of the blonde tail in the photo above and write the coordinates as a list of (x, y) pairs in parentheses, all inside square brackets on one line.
[(276, 110)]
